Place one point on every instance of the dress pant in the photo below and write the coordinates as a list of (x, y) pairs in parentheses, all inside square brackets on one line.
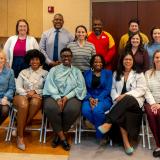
[(61, 120), (97, 115), (154, 123), (127, 114)]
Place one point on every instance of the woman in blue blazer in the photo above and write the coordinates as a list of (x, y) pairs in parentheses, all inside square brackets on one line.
[(97, 101)]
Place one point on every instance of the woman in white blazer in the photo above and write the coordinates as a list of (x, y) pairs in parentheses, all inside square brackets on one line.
[(128, 89), (17, 45)]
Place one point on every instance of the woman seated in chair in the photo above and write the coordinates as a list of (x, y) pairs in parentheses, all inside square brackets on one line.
[(153, 98), (29, 85), (98, 100), (63, 91), (128, 89), (7, 87)]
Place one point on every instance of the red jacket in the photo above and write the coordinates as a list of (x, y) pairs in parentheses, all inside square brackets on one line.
[(105, 46)]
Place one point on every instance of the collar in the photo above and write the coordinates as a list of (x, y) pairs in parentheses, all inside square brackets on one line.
[(84, 43), (4, 70), (36, 71), (60, 30)]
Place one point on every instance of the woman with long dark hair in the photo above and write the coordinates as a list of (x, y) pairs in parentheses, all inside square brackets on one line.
[(128, 89), (28, 99), (135, 45)]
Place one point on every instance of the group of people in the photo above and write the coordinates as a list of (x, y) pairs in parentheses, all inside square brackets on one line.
[(80, 79)]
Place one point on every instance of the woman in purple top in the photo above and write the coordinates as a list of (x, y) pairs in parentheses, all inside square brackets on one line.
[(135, 45), (17, 45)]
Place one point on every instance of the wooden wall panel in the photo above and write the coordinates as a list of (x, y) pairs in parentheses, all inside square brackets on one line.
[(115, 16), (3, 18), (148, 13), (16, 10), (34, 17)]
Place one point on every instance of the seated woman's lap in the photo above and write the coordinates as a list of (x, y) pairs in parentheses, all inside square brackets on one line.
[(65, 118), (20, 102), (97, 114), (149, 112), (24, 102), (127, 114), (128, 103)]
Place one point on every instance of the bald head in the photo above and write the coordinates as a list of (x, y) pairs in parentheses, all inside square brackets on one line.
[(58, 21), (97, 26)]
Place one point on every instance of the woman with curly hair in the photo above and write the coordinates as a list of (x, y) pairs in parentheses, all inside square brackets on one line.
[(29, 85)]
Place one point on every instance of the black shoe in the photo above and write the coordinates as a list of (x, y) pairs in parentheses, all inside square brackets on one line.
[(156, 152), (65, 145), (55, 141)]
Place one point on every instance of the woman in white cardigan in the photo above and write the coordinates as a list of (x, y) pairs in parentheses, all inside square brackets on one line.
[(152, 96), (128, 89), (17, 45)]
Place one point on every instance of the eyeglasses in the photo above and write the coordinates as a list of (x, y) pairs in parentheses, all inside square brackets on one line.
[(66, 56)]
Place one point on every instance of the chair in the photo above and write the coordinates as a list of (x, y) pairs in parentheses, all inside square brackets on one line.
[(148, 134), (7, 127), (11, 125), (73, 129), (143, 132), (81, 129)]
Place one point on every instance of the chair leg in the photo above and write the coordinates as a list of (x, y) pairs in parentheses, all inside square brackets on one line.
[(147, 131), (9, 125), (12, 124), (45, 130), (41, 129), (110, 142), (143, 134), (76, 134), (80, 130)]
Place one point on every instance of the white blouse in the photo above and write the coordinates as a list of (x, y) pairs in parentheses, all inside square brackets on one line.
[(29, 79)]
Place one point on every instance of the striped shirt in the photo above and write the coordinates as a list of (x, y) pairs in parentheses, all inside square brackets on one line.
[(82, 55), (153, 83)]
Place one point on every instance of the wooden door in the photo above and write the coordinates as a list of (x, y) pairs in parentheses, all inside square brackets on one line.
[(115, 15), (149, 15)]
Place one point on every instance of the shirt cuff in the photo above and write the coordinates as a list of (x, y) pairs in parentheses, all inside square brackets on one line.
[(71, 95)]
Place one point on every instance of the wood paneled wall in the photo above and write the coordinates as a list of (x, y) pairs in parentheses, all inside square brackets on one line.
[(12, 10)]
